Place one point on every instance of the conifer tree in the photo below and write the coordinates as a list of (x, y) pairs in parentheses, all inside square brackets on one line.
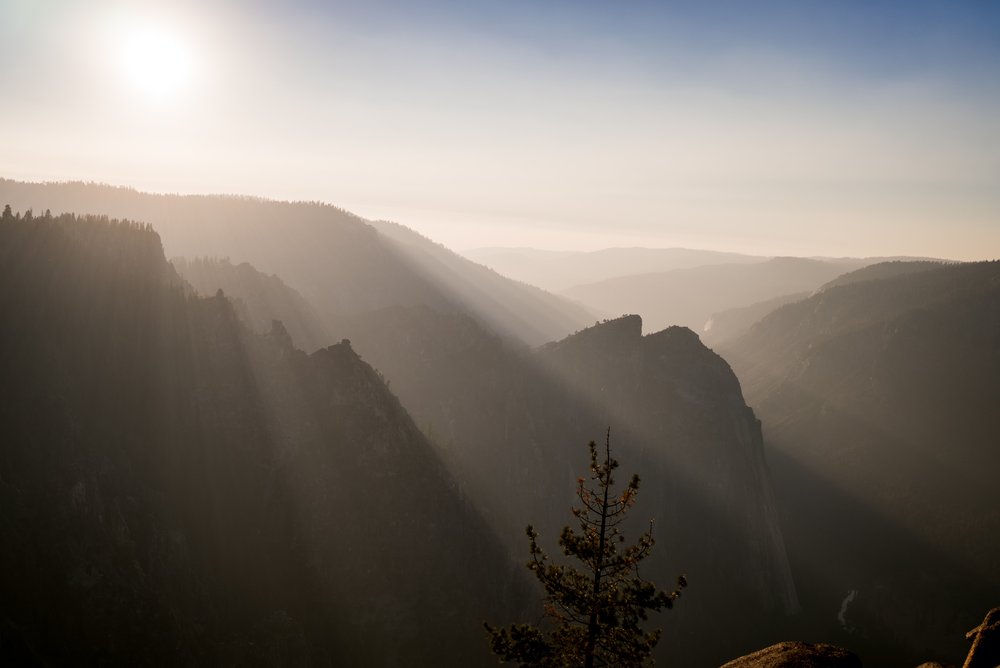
[(593, 611)]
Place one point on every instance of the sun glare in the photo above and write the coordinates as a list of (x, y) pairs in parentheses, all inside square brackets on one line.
[(154, 59)]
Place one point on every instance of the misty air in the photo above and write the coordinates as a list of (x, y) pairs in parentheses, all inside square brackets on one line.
[(533, 334)]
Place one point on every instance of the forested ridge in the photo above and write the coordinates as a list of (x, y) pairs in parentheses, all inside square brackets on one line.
[(177, 489)]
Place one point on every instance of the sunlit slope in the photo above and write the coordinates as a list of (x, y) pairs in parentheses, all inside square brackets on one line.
[(689, 297), (879, 400), (513, 425), (534, 316), (336, 260), (177, 490)]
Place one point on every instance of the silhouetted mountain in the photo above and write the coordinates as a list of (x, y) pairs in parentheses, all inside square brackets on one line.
[(561, 270), (512, 424), (880, 404), (175, 489), (259, 299), (336, 260), (689, 297)]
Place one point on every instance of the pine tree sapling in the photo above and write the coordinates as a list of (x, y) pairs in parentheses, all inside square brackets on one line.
[(593, 610)]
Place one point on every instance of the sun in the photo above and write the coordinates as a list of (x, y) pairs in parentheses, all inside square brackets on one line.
[(154, 58)]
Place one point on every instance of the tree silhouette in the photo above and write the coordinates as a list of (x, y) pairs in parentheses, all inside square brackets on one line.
[(593, 612)]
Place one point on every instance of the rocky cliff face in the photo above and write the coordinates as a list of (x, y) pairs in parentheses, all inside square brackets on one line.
[(681, 410), (513, 424)]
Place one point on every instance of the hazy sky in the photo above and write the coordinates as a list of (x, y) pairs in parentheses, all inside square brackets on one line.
[(800, 127)]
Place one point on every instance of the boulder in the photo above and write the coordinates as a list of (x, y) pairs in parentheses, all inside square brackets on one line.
[(798, 655)]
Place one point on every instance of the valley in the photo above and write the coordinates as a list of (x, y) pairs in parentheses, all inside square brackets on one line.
[(824, 472)]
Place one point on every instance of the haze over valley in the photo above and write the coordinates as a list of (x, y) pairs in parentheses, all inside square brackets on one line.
[(310, 311)]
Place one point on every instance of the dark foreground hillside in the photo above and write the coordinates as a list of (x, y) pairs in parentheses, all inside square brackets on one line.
[(177, 490)]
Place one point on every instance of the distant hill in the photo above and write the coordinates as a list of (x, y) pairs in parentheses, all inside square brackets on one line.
[(731, 323), (175, 489), (559, 270), (689, 297), (727, 325), (337, 261), (879, 399)]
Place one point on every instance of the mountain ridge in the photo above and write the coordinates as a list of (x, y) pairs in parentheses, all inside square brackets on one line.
[(888, 388), (176, 488), (359, 269)]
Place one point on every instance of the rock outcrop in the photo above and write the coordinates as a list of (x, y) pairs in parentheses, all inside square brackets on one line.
[(514, 424), (797, 655)]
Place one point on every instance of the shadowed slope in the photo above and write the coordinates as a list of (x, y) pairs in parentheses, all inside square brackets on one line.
[(886, 391), (722, 328), (258, 298), (175, 489)]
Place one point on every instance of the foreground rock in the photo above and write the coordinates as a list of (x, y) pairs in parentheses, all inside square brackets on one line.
[(798, 655)]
